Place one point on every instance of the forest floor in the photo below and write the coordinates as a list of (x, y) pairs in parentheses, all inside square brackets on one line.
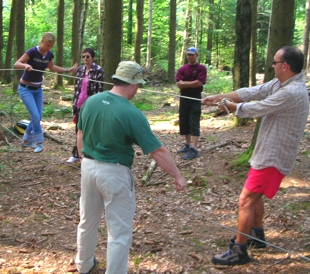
[(173, 232)]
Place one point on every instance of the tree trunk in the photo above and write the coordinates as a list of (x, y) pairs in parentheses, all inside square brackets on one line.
[(84, 9), (20, 37), (172, 42), (280, 34), (187, 31), (253, 43), (306, 36), (139, 31), (6, 76), (129, 32), (1, 37), (149, 36), (100, 32), (210, 33), (112, 38), (242, 49), (60, 41), (75, 47)]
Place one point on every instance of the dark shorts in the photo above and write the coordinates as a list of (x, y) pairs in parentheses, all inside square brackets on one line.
[(266, 181), (189, 117)]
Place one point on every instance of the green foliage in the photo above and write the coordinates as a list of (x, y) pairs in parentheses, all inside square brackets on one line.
[(143, 106), (218, 82), (243, 161)]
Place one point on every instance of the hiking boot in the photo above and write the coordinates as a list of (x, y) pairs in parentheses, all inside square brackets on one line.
[(253, 243), (184, 148), (259, 234), (73, 160), (191, 154), (235, 255)]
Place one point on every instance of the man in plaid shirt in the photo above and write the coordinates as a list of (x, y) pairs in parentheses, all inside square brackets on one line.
[(283, 105)]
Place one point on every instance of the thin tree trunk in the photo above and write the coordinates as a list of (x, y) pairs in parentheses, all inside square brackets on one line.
[(187, 31), (210, 33), (112, 38), (149, 36), (6, 76), (306, 35), (60, 40), (20, 37), (172, 42), (253, 43), (129, 33), (139, 31)]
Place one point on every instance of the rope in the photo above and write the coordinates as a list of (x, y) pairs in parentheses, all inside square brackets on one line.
[(226, 227), (108, 83)]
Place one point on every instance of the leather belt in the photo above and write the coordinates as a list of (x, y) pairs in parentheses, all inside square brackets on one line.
[(29, 87)]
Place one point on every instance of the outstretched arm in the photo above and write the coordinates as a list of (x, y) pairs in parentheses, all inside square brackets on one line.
[(165, 161)]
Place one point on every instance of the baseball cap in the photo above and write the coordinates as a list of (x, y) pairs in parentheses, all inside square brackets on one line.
[(129, 72), (192, 50)]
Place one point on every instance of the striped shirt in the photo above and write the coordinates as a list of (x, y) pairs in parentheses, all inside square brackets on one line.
[(284, 108)]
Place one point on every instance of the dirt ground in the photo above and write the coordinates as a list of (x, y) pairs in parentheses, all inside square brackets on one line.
[(173, 232)]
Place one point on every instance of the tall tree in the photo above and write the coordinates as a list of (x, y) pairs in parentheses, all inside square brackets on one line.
[(100, 31), (149, 35), (76, 23), (20, 36), (187, 31), (172, 41), (60, 40), (6, 76), (242, 49), (129, 31), (1, 37), (83, 9), (112, 38), (139, 30), (253, 43), (210, 32), (242, 45), (306, 35), (281, 30)]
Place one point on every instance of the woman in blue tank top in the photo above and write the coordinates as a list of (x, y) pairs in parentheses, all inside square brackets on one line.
[(34, 62)]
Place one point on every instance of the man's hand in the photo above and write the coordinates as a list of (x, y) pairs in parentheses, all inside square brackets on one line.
[(180, 184), (212, 100)]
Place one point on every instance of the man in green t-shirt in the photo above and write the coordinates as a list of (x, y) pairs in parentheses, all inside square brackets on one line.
[(108, 127)]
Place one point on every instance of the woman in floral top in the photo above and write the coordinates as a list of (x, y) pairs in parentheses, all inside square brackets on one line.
[(89, 78)]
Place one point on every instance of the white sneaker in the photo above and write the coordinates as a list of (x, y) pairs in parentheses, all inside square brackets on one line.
[(73, 160)]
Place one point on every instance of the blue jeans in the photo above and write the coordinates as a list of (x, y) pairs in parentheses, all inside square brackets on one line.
[(33, 101)]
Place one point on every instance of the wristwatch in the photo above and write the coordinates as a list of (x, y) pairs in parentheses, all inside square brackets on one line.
[(183, 84)]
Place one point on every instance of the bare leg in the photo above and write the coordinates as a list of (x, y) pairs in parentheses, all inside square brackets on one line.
[(249, 204), (195, 141), (188, 139)]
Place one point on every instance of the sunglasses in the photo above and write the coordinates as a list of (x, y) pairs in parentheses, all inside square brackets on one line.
[(276, 62), (86, 56)]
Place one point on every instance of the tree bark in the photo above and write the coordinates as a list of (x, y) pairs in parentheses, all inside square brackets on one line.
[(253, 43), (306, 36), (139, 31), (172, 42), (149, 36), (60, 41), (6, 76), (112, 38), (20, 37)]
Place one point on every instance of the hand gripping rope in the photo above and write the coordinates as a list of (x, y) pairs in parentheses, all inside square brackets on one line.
[(223, 103)]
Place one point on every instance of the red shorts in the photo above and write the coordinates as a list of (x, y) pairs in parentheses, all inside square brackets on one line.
[(266, 181)]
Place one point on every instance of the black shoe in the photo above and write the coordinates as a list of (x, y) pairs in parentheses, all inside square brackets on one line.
[(191, 154), (235, 255), (184, 149), (259, 234)]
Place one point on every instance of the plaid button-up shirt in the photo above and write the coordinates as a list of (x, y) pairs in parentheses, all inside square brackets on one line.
[(284, 108)]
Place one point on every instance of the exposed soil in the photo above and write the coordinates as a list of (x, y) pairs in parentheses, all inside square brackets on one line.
[(173, 232)]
